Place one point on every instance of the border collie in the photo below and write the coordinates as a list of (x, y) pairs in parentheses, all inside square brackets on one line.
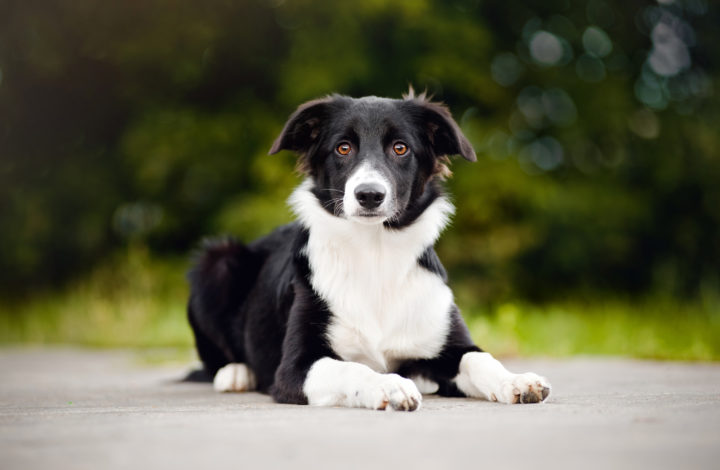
[(349, 305)]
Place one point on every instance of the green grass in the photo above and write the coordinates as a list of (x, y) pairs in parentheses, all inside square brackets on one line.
[(651, 329), (133, 301), (139, 302)]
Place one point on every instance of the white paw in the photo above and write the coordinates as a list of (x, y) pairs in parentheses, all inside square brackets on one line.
[(234, 377), (391, 389), (425, 386), (523, 388)]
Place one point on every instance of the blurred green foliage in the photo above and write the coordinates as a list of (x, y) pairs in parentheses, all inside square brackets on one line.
[(147, 124), (137, 300), (132, 300)]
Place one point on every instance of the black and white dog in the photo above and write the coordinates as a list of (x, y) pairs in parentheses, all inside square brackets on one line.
[(349, 306)]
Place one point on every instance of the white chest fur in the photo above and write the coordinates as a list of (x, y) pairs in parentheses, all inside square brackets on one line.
[(385, 307)]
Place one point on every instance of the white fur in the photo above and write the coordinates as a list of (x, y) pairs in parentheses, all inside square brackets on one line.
[(234, 377), (365, 174), (385, 307), (331, 382), (483, 376), (426, 386)]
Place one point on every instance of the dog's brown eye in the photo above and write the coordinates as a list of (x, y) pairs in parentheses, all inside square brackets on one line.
[(400, 148), (343, 149)]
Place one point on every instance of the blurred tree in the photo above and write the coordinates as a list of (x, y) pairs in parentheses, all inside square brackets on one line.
[(149, 121)]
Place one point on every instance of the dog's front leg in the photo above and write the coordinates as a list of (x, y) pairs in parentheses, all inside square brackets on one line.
[(482, 376), (332, 382), (310, 371)]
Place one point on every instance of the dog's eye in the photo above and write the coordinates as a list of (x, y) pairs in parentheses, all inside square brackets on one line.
[(400, 148), (343, 149)]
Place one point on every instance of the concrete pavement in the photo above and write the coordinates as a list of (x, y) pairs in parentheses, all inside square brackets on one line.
[(79, 409)]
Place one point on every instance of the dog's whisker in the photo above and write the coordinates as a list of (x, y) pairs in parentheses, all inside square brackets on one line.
[(339, 208), (334, 201), (332, 189), (336, 204)]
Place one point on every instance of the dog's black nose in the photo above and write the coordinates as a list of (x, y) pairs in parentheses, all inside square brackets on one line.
[(370, 195)]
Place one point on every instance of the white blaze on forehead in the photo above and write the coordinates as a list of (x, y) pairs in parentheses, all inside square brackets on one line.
[(366, 174)]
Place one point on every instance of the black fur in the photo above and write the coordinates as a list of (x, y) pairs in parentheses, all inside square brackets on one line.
[(443, 368), (371, 127), (254, 303), (304, 337)]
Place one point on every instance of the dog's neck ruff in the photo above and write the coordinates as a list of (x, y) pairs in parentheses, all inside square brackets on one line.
[(385, 306), (422, 233)]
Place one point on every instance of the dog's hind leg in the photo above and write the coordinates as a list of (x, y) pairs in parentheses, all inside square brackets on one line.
[(224, 272), (211, 356), (234, 377)]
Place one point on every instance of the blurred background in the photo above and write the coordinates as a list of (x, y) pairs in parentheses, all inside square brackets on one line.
[(589, 225)]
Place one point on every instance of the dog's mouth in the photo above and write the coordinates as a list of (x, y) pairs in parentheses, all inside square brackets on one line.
[(369, 217), (370, 214)]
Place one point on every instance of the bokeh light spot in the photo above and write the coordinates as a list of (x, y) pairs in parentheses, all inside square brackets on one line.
[(546, 153), (669, 55), (645, 124), (650, 93), (540, 108), (529, 102), (596, 42), (546, 48), (506, 69), (559, 107)]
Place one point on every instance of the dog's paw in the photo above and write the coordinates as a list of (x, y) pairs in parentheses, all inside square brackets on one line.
[(234, 377), (393, 392), (523, 388)]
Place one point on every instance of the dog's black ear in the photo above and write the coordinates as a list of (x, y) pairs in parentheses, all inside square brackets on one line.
[(303, 126), (443, 132)]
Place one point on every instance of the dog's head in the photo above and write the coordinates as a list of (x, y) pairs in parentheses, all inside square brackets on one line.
[(373, 160)]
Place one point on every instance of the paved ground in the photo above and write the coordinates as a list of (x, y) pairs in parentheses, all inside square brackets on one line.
[(76, 409)]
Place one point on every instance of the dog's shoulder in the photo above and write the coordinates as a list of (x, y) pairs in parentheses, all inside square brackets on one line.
[(430, 261), (284, 260)]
